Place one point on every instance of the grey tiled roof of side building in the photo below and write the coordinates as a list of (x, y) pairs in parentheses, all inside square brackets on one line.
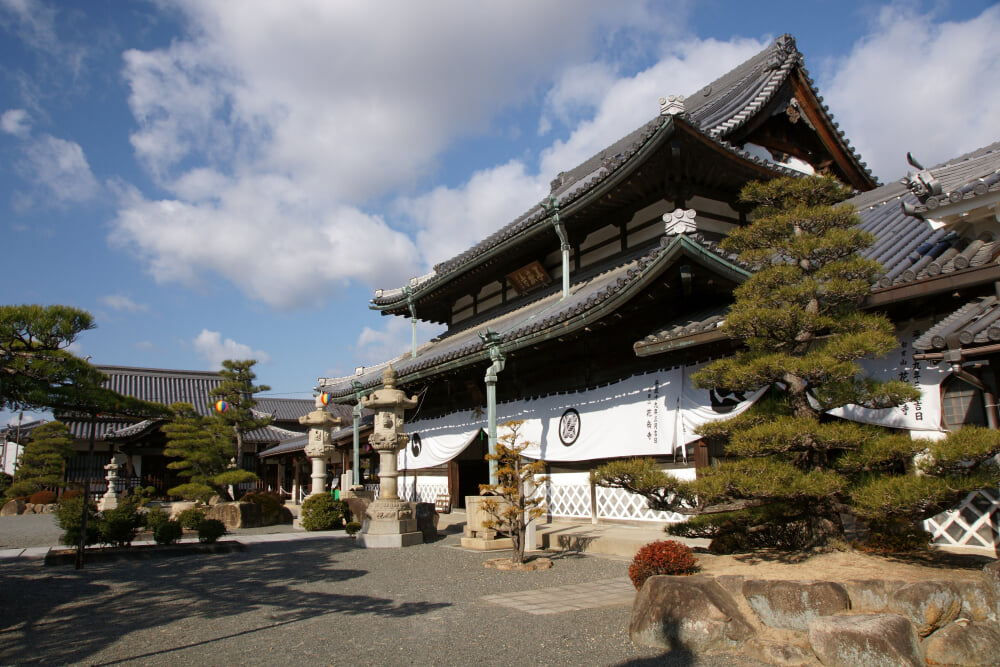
[(718, 109), (908, 248), (975, 323)]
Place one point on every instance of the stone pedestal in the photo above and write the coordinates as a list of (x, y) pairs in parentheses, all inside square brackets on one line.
[(389, 521), (476, 535)]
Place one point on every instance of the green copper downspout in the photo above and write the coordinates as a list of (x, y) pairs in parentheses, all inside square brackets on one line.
[(553, 207), (356, 474), (413, 319), (492, 341)]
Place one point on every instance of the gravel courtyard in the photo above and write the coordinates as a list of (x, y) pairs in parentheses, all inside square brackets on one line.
[(311, 602)]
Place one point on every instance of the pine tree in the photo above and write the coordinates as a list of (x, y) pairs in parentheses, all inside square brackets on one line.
[(517, 502), (791, 472), (42, 464), (202, 447), (237, 390)]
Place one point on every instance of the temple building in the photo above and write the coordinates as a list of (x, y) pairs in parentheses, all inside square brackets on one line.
[(141, 444), (586, 315)]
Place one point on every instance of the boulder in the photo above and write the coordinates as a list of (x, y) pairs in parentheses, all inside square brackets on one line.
[(687, 614), (991, 573), (236, 515), (179, 506), (865, 641), (778, 653), (871, 595), (790, 605), (978, 603), (12, 507), (964, 645), (427, 520), (928, 605)]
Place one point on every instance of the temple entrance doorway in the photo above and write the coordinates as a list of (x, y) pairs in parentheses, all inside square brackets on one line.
[(468, 470)]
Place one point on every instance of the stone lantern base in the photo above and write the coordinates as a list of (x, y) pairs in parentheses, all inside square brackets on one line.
[(390, 524)]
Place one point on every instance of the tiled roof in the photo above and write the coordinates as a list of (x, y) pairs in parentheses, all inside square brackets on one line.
[(975, 323), (716, 111), (595, 291), (167, 386), (704, 321), (908, 247)]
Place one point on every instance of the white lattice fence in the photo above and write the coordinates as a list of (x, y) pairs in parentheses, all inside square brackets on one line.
[(620, 504), (424, 491), (368, 487), (971, 524), (569, 500)]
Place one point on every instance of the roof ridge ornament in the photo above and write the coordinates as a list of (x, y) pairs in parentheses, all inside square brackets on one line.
[(680, 221), (923, 184), (672, 105)]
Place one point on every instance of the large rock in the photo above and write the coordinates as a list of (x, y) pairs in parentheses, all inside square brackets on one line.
[(978, 602), (12, 507), (991, 572), (964, 645), (928, 605), (865, 641), (871, 595), (779, 653), (427, 520), (236, 515), (687, 614), (790, 605)]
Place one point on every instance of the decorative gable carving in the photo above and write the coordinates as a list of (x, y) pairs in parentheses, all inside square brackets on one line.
[(680, 221)]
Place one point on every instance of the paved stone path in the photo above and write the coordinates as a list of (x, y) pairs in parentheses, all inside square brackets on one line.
[(575, 597)]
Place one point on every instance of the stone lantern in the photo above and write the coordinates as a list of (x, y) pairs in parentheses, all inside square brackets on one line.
[(319, 448), (390, 522), (109, 500)]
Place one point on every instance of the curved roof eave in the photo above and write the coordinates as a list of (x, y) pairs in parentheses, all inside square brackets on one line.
[(604, 301), (583, 198)]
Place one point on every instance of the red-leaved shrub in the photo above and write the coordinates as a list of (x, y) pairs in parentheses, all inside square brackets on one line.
[(69, 495), (661, 557), (42, 497)]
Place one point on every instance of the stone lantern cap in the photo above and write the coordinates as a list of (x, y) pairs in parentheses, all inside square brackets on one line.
[(389, 397)]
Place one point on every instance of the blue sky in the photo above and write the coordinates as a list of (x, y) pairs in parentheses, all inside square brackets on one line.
[(215, 179)]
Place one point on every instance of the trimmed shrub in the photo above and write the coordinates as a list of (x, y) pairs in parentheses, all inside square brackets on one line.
[(168, 532), (120, 525), (191, 518), (154, 517), (5, 482), (322, 512), (661, 557), (70, 519), (210, 530), (70, 495), (352, 527), (271, 506), (44, 497)]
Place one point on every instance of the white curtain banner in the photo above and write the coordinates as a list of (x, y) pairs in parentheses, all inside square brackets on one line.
[(921, 415), (646, 415)]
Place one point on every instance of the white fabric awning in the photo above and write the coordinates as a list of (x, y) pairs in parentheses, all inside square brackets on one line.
[(654, 414)]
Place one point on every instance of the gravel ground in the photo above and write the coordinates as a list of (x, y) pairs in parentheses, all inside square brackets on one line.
[(312, 602)]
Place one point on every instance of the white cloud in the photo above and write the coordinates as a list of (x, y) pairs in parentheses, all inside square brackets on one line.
[(16, 122), (213, 350), (916, 83), (270, 132), (375, 347), (61, 168), (450, 220), (630, 101), (122, 302)]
